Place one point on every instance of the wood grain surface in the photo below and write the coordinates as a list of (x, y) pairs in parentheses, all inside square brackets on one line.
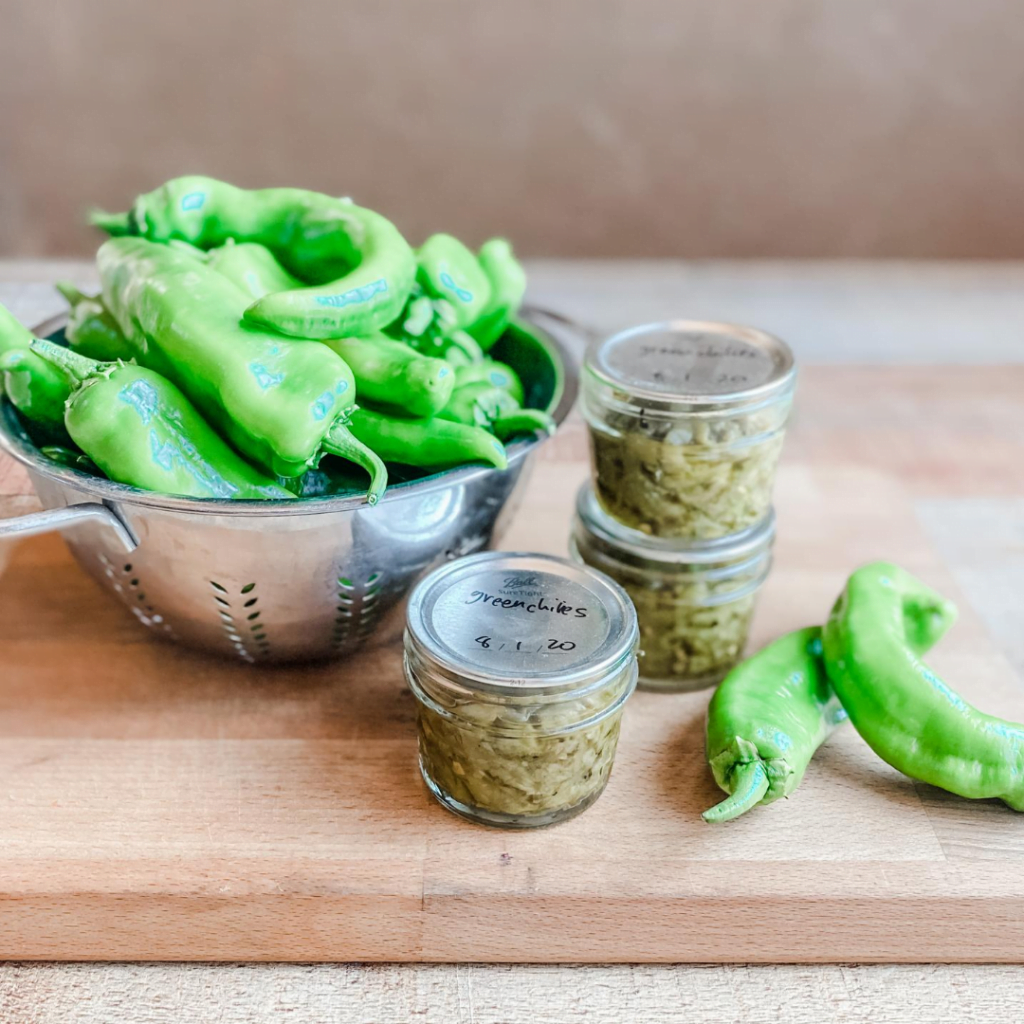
[(164, 805)]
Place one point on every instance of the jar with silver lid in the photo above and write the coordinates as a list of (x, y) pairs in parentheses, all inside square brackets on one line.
[(686, 425), (694, 601), (521, 665)]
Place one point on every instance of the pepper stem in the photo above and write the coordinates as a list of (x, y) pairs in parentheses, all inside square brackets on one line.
[(71, 293), (114, 224), (751, 784), (340, 441), (74, 364)]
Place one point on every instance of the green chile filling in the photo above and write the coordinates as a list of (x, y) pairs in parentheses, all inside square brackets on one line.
[(680, 639), (503, 759), (695, 478)]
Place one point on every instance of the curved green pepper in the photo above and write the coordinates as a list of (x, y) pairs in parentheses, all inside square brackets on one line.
[(252, 268), (428, 444), (141, 430), (447, 270), (282, 403), (489, 371), (905, 712), (37, 389), (483, 405), (367, 265), (507, 281), (772, 712), (390, 373), (91, 329)]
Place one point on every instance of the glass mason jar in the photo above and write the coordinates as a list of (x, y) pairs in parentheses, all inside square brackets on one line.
[(694, 601), (686, 424), (520, 664)]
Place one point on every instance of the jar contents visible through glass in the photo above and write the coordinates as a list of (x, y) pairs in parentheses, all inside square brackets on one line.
[(521, 665), (694, 601), (686, 425)]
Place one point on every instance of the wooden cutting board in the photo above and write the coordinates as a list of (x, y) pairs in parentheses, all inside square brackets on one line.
[(159, 804)]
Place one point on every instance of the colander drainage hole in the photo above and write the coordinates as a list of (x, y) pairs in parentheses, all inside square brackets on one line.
[(356, 615), (248, 648)]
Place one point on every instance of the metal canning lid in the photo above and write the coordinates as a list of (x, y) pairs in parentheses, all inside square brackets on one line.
[(513, 622), (622, 543), (692, 365)]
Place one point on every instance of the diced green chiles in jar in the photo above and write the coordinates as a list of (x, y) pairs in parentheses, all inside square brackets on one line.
[(686, 426), (521, 665), (694, 601)]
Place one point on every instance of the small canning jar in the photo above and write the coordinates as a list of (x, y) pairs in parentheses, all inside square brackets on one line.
[(686, 425), (694, 601), (520, 664)]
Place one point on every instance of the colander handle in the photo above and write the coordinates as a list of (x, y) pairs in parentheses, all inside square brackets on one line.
[(67, 518)]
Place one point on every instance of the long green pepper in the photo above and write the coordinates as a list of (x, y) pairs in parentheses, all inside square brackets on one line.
[(36, 388), (905, 712), (427, 444), (507, 286), (366, 267), (91, 328), (280, 402), (141, 430)]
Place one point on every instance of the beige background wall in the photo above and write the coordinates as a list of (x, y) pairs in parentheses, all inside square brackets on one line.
[(577, 127)]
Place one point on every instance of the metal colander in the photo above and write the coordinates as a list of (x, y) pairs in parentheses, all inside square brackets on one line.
[(269, 581)]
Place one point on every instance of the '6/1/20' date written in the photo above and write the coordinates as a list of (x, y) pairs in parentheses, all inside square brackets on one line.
[(519, 645)]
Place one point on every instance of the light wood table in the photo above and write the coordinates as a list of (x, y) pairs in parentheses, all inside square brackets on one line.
[(951, 315)]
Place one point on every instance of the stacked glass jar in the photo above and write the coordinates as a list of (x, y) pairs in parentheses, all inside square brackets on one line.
[(686, 424)]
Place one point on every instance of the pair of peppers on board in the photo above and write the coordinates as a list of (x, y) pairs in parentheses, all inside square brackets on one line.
[(772, 712)]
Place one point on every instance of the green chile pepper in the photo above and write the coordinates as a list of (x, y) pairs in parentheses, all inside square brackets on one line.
[(91, 329), (905, 712), (36, 388), (483, 405), (494, 373), (507, 281), (391, 373), (281, 403), (772, 712), (447, 270), (367, 266), (141, 430), (428, 444), (252, 268)]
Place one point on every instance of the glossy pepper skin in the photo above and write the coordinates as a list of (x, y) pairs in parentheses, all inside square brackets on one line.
[(428, 444), (141, 430), (905, 712), (390, 373), (772, 712), (507, 281), (91, 329), (484, 405), (282, 403), (490, 371), (36, 388), (252, 268), (365, 265), (446, 269)]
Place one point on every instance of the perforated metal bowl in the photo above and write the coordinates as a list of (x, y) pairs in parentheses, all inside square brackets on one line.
[(271, 581)]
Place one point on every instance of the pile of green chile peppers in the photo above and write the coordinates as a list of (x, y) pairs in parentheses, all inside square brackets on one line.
[(773, 711), (295, 326)]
